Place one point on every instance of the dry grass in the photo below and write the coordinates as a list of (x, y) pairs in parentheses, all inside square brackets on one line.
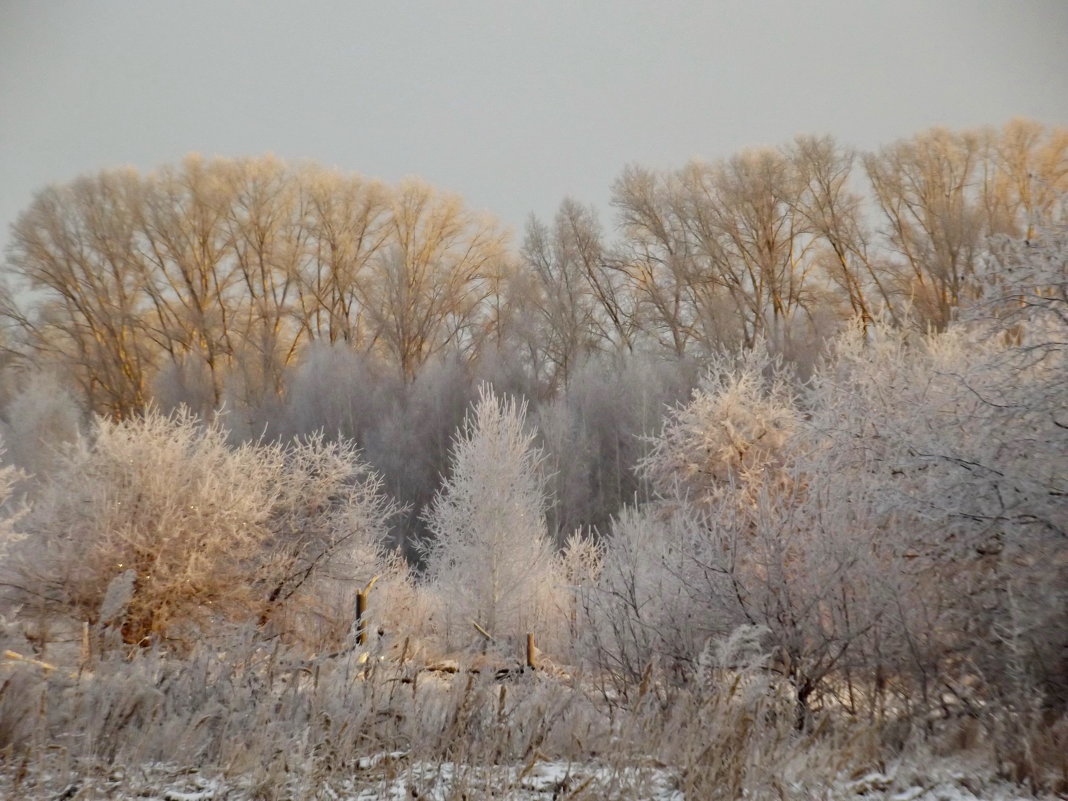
[(279, 726)]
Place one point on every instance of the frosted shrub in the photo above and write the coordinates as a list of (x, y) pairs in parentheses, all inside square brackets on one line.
[(10, 511), (212, 533), (1024, 289), (162, 496), (948, 454), (732, 431), (579, 563), (646, 608), (490, 558), (328, 528)]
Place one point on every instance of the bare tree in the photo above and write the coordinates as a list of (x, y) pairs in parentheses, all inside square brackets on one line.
[(657, 258), (74, 256), (347, 218), (432, 285), (925, 188), (578, 297), (191, 287), (1026, 177), (267, 236), (833, 211)]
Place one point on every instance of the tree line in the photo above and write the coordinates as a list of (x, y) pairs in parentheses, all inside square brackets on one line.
[(218, 274)]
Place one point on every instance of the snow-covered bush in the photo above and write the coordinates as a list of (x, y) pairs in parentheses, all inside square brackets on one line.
[(645, 609), (737, 539), (10, 512), (580, 563), (489, 556), (212, 533), (731, 434), (876, 526), (955, 444), (163, 496), (1023, 289), (328, 527)]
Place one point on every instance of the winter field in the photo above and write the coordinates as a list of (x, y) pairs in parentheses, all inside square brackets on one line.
[(753, 503)]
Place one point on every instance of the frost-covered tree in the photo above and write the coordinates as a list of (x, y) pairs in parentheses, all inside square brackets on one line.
[(336, 390), (597, 429), (41, 418), (489, 555), (942, 193), (432, 288), (9, 513)]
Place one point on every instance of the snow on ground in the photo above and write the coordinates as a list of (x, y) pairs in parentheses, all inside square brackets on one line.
[(536, 782), (392, 777), (379, 777)]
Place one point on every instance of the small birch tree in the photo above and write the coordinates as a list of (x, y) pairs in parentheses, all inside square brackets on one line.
[(489, 555)]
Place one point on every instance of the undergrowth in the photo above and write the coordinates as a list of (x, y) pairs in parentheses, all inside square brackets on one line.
[(282, 726)]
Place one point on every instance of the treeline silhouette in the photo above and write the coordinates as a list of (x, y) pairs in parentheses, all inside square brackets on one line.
[(221, 273)]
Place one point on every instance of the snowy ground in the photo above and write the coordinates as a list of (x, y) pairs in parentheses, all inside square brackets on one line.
[(392, 777)]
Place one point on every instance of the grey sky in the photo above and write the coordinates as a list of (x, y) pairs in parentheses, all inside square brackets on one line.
[(512, 104)]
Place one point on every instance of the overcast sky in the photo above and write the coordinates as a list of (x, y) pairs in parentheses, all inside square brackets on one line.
[(512, 104)]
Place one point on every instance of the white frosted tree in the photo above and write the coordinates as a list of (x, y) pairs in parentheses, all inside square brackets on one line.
[(42, 417), (489, 555), (9, 511)]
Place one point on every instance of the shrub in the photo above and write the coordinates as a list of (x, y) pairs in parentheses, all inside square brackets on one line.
[(212, 533)]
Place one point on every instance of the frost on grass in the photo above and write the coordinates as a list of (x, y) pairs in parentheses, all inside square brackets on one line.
[(401, 780)]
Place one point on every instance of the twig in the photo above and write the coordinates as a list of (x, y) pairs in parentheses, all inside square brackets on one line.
[(29, 660), (482, 631)]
